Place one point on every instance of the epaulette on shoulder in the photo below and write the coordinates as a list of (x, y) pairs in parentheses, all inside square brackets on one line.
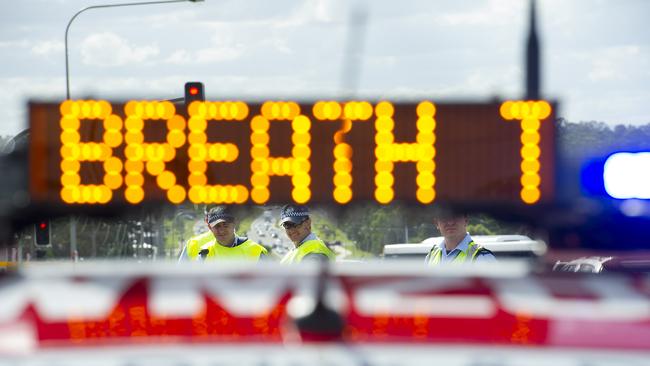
[(483, 251)]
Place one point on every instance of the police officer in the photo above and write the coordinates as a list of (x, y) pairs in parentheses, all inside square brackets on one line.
[(221, 242), (457, 245), (193, 246), (297, 225)]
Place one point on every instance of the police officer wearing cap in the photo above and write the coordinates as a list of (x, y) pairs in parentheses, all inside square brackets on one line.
[(457, 246), (297, 225), (221, 242)]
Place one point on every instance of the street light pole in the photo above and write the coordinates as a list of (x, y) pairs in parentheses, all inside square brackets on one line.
[(73, 226), (67, 29)]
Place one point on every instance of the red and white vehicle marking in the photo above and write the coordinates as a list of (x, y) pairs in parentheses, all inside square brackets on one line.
[(55, 310)]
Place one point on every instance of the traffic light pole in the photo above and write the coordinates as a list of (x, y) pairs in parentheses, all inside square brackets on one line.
[(67, 29), (194, 90)]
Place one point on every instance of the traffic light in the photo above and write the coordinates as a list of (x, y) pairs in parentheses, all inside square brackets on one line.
[(194, 91), (42, 233)]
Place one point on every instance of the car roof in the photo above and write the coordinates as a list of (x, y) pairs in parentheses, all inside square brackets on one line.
[(495, 243)]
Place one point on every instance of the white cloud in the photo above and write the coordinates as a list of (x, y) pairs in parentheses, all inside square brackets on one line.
[(108, 49), (281, 45), (165, 19), (222, 48), (277, 43), (9, 44), (313, 11), (47, 47), (495, 12), (383, 61), (490, 80), (41, 48), (219, 53), (179, 57), (324, 11), (595, 55)]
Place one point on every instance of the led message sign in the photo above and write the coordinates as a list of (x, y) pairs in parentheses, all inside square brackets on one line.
[(100, 152)]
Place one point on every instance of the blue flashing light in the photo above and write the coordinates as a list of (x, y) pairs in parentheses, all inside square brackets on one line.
[(591, 178), (627, 175)]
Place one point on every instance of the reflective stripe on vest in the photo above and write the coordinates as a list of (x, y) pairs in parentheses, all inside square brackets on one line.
[(306, 248), (196, 242), (248, 250), (435, 256)]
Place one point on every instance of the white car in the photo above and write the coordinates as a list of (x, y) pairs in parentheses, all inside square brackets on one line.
[(503, 246)]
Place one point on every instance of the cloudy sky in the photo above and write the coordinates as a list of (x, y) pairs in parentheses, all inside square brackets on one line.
[(596, 53)]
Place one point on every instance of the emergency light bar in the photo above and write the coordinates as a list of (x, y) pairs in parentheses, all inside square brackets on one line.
[(627, 175), (620, 175)]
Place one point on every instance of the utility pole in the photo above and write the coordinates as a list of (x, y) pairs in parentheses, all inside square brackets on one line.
[(73, 238), (532, 58), (406, 232)]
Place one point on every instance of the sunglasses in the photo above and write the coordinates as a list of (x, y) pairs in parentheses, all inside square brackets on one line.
[(290, 225)]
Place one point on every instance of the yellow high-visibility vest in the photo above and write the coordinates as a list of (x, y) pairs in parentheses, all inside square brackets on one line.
[(435, 256), (248, 250), (306, 248), (195, 243)]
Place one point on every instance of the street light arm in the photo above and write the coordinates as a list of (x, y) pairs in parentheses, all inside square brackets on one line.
[(67, 29)]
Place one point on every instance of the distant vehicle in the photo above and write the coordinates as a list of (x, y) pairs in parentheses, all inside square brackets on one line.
[(637, 263), (503, 246), (585, 264)]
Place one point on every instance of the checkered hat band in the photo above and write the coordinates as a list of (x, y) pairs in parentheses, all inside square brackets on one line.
[(295, 214), (215, 217)]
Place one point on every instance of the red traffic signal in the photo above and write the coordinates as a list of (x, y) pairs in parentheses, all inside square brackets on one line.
[(194, 91), (42, 233)]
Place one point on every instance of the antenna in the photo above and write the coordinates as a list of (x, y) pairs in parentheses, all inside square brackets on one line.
[(351, 70)]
